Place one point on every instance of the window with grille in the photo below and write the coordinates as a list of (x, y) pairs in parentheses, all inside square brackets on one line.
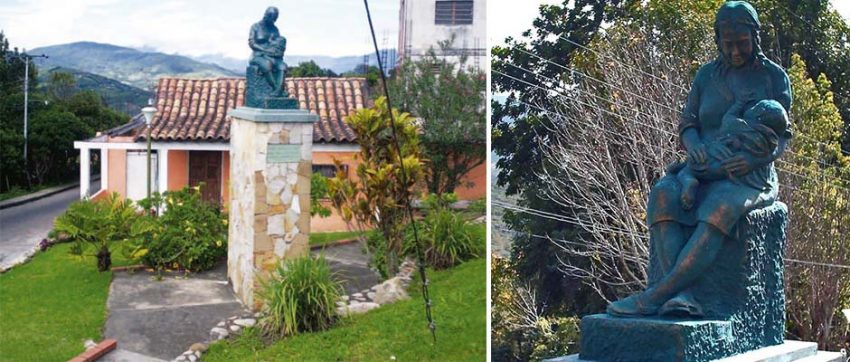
[(329, 170), (453, 12)]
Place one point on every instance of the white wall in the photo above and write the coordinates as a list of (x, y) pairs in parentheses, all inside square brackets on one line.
[(418, 32), (137, 169)]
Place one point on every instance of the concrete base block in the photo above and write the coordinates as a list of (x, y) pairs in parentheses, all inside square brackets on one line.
[(612, 339), (789, 351)]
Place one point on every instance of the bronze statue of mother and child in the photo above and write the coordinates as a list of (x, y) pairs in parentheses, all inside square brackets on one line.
[(716, 230), (734, 126)]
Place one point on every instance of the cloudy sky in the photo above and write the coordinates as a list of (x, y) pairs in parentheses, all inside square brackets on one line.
[(197, 27)]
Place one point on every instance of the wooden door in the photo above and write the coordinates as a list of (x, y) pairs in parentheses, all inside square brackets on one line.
[(205, 166)]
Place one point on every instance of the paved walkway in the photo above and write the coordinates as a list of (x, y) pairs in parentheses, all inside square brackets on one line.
[(351, 265), (158, 320), (162, 319), (24, 225)]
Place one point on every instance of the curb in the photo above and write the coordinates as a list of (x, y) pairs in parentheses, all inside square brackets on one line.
[(20, 200), (335, 243), (93, 354)]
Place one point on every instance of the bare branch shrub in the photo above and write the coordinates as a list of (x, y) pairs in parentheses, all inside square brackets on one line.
[(613, 136)]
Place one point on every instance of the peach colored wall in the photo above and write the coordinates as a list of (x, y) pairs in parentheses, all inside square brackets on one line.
[(327, 158), (178, 169), (117, 172), (333, 222), (477, 181), (225, 180)]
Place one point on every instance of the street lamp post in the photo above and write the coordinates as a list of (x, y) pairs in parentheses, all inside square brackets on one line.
[(149, 112)]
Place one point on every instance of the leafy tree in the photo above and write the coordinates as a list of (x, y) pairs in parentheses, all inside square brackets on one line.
[(61, 85), (816, 182), (51, 144), (371, 72), (386, 177), (518, 129), (448, 99), (309, 69)]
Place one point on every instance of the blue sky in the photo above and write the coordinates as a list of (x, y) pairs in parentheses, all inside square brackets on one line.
[(195, 27)]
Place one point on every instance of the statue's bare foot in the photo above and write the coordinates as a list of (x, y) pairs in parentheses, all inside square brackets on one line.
[(633, 306), (278, 93), (689, 193), (682, 305)]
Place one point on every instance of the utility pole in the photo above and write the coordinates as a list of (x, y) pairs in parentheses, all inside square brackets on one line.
[(27, 58)]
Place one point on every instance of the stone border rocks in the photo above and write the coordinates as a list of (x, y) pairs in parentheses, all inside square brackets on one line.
[(390, 291)]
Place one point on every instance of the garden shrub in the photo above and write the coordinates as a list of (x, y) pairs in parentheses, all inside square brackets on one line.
[(191, 233), (298, 296), (95, 226), (447, 239), (318, 192)]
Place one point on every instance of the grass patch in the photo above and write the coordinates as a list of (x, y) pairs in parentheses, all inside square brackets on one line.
[(51, 304), (398, 329), (331, 237)]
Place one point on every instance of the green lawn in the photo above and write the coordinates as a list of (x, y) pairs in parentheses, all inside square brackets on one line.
[(331, 237), (398, 329), (50, 305)]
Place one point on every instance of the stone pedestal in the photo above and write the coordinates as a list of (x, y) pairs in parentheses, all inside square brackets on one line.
[(741, 294), (786, 352), (270, 169)]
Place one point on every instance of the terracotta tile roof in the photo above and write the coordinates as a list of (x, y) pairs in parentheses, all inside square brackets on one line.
[(194, 110)]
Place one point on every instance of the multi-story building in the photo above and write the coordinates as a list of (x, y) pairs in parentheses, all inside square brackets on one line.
[(424, 23)]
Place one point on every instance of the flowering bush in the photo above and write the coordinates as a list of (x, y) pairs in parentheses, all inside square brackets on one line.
[(191, 233)]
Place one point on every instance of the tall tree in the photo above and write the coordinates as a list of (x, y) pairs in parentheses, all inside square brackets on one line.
[(448, 99), (309, 69), (520, 68)]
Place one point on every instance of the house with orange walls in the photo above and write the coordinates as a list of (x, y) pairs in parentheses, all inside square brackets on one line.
[(190, 140)]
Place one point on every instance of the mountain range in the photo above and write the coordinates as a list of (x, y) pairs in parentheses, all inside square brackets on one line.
[(337, 64), (125, 77), (118, 96), (127, 65)]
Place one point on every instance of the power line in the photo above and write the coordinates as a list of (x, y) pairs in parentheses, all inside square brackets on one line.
[(641, 237), (665, 80), (647, 115), (426, 296)]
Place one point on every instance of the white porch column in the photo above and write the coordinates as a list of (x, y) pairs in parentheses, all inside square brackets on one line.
[(84, 172), (162, 173), (104, 168)]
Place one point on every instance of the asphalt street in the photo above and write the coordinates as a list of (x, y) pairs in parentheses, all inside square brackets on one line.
[(23, 226)]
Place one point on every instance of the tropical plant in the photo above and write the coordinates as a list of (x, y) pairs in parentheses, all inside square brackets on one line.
[(390, 166), (98, 225), (300, 295)]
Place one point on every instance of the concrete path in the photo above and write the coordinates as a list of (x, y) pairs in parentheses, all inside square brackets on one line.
[(351, 265), (161, 319), (23, 226)]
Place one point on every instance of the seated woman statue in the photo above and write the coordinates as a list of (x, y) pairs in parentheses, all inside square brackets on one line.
[(268, 48), (741, 71)]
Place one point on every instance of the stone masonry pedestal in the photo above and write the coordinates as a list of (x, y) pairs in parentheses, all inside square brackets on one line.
[(270, 169)]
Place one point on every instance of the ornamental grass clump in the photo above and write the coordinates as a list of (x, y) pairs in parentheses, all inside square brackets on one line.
[(447, 239), (299, 296)]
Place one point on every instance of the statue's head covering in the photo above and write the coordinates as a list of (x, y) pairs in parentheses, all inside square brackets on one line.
[(271, 13), (738, 15)]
